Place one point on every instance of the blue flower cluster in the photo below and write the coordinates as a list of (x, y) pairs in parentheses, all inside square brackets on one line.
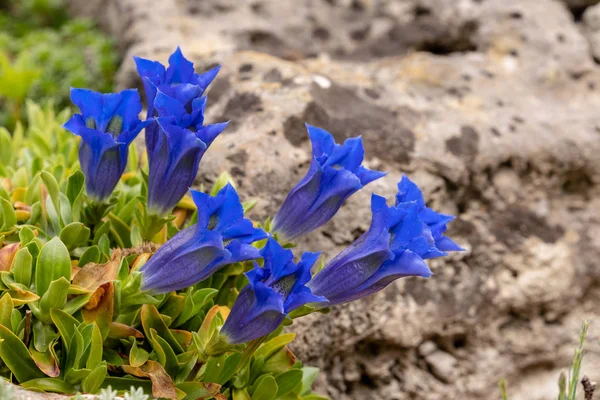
[(396, 245)]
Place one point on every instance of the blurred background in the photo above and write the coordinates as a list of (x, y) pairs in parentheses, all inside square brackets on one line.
[(491, 106)]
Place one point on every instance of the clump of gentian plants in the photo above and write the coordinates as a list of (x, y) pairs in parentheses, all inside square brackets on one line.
[(113, 273)]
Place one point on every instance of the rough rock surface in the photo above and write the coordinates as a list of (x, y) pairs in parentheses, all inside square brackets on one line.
[(492, 106)]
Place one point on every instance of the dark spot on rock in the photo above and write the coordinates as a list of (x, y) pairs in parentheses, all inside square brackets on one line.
[(465, 145), (357, 5), (257, 8), (321, 33), (239, 106), (578, 181), (247, 67), (239, 158), (360, 33), (372, 93), (515, 15), (425, 33), (217, 89), (345, 114), (294, 131), (495, 132), (560, 38), (238, 172), (420, 11), (273, 75), (517, 223)]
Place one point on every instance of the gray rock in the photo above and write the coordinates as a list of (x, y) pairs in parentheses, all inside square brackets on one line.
[(443, 366), (491, 106)]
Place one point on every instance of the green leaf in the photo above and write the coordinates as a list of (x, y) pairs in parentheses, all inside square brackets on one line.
[(309, 374), (214, 368), (5, 146), (16, 357), (75, 235), (120, 229), (22, 267), (198, 390), (6, 308), (240, 394), (221, 182), (53, 263), (90, 255), (65, 324), (137, 355), (66, 214), (46, 361), (95, 356), (75, 184), (151, 319), (165, 354), (55, 297), (93, 382), (269, 348), (43, 336), (53, 188), (229, 368), (287, 381), (26, 235), (104, 245), (8, 214), (265, 388), (49, 385)]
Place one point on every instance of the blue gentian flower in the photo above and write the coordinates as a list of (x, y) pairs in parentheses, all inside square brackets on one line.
[(221, 236), (396, 245), (108, 123), (178, 80), (335, 174), (274, 291), (174, 163)]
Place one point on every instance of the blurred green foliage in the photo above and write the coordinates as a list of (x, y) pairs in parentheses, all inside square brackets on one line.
[(43, 53)]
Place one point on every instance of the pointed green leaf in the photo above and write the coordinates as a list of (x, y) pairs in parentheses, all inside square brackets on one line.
[(75, 235), (53, 263), (93, 382), (265, 388), (6, 308), (309, 374), (16, 357), (22, 267), (137, 355), (53, 188), (75, 184), (55, 297), (90, 255), (50, 385), (151, 319), (46, 361), (287, 381), (95, 356), (65, 324), (9, 215)]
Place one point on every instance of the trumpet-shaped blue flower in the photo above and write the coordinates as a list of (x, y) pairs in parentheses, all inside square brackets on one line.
[(274, 290), (107, 124), (221, 236), (335, 174), (177, 81), (396, 245), (174, 163)]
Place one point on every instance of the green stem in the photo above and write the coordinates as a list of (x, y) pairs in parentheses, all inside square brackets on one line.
[(249, 351)]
